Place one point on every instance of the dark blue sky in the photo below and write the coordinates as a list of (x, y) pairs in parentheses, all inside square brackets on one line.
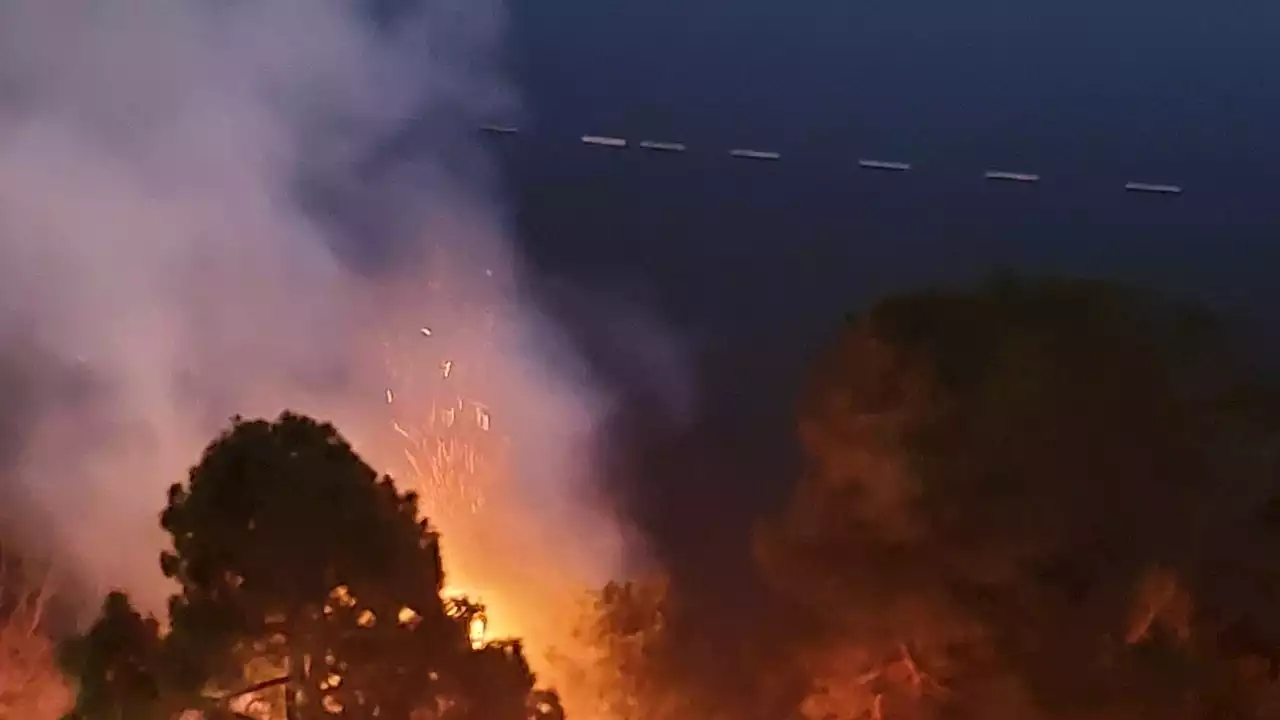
[(756, 262)]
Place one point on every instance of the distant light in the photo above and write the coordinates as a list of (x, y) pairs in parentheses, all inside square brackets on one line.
[(662, 146), (755, 154), (885, 165), (1012, 176), (604, 140), (1150, 188)]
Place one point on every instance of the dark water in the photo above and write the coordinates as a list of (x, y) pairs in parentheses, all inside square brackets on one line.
[(756, 262)]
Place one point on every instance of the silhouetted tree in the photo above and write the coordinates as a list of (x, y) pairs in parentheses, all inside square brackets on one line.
[(989, 474), (291, 553), (642, 653), (623, 634), (120, 666)]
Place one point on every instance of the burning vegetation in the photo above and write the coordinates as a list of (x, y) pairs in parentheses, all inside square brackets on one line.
[(31, 685), (1028, 501), (302, 575)]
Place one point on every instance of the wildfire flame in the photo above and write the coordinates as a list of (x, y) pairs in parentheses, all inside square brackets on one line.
[(30, 684), (446, 441)]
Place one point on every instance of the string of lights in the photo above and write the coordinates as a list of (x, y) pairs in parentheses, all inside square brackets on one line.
[(889, 166)]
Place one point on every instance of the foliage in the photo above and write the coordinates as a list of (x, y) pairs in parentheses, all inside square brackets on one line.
[(644, 652), (989, 474), (291, 553), (638, 658), (1033, 500), (622, 632), (119, 663)]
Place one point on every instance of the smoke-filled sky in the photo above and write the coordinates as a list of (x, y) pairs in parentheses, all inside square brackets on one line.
[(209, 208), (205, 210)]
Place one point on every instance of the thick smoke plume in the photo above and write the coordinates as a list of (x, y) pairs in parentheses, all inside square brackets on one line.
[(218, 208)]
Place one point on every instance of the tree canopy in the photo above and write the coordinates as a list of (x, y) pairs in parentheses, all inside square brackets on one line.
[(1037, 498), (1031, 499), (299, 570)]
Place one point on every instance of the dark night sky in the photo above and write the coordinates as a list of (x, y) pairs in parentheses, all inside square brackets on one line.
[(754, 263)]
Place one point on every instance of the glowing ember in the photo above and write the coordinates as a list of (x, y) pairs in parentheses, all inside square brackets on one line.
[(446, 460), (450, 457), (450, 444)]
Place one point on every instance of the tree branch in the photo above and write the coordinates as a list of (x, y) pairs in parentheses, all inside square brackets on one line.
[(257, 687)]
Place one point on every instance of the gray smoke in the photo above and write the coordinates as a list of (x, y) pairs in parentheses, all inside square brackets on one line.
[(218, 208)]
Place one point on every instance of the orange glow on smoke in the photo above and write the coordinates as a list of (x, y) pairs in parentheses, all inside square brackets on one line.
[(451, 448)]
